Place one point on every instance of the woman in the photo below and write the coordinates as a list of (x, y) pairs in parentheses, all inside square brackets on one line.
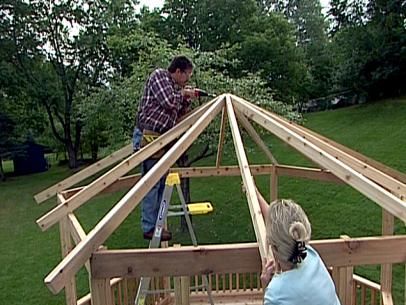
[(296, 275)]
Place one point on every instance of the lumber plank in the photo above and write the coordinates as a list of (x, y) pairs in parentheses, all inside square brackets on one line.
[(197, 172), (347, 156), (255, 136), (239, 258), (221, 137), (56, 280), (371, 162), (77, 233), (84, 173), (254, 207), (370, 189)]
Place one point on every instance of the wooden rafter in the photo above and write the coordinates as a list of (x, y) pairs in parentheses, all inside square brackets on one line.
[(221, 137), (56, 280), (93, 169), (84, 173), (345, 172), (255, 136), (255, 210), (379, 177), (88, 192)]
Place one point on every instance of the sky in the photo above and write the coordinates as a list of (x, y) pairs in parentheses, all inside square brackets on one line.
[(158, 3)]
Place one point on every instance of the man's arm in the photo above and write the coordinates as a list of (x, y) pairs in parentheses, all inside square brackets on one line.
[(164, 92), (185, 108)]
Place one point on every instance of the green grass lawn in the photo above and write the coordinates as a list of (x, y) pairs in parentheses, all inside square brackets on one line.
[(377, 130)]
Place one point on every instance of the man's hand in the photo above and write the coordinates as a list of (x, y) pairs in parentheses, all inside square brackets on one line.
[(188, 92)]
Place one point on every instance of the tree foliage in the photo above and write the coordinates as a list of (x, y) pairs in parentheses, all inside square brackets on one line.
[(369, 47), (206, 25), (72, 73), (60, 48)]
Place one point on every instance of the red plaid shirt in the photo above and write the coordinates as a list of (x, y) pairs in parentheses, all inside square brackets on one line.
[(162, 103)]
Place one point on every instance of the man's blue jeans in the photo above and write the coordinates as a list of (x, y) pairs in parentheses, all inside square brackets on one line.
[(151, 201), (137, 137)]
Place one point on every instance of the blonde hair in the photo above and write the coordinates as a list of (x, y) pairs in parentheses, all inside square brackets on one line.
[(286, 224)]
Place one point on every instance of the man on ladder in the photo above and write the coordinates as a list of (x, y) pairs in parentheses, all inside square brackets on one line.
[(199, 208), (165, 100)]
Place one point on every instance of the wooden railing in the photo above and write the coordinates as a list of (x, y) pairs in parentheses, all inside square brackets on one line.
[(365, 292)]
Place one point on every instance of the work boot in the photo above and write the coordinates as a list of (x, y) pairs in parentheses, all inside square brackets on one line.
[(165, 235)]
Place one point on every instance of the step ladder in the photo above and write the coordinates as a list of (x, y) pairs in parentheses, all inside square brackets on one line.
[(185, 209)]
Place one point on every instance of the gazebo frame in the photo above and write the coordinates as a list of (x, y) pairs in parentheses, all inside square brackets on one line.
[(110, 269)]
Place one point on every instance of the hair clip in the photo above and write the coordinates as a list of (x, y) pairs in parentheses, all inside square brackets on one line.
[(299, 253)]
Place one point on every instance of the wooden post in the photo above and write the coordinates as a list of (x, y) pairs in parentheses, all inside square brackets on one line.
[(100, 291), (185, 289), (343, 280), (274, 183), (386, 269), (66, 247), (182, 287)]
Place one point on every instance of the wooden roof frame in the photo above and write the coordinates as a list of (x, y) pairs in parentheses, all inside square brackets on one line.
[(384, 186)]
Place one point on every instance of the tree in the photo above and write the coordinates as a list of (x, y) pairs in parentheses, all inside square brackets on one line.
[(206, 25), (369, 51), (311, 36), (345, 14), (58, 45), (269, 48)]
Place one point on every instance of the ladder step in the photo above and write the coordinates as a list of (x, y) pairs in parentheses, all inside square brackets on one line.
[(200, 208)]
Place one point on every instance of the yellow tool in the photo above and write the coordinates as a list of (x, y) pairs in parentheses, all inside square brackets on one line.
[(200, 208)]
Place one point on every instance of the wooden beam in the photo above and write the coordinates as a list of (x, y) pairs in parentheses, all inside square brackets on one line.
[(238, 258), (347, 156), (375, 192), (199, 172), (371, 162), (90, 190), (253, 204), (255, 136), (344, 281), (77, 233), (221, 137), (84, 173), (56, 280), (187, 260)]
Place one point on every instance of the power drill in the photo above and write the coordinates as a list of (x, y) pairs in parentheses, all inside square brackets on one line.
[(200, 92)]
